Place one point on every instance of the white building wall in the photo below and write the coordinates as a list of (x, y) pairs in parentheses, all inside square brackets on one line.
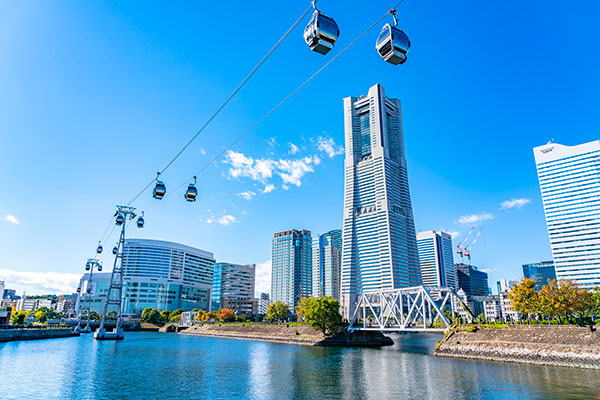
[(569, 178)]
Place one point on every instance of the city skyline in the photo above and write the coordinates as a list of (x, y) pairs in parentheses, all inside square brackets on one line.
[(470, 164)]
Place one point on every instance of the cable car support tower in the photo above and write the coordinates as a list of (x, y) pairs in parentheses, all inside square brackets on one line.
[(87, 296), (114, 295)]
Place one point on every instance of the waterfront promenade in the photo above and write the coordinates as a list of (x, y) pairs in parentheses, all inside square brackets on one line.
[(171, 366)]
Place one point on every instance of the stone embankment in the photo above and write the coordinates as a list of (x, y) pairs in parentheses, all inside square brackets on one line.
[(292, 334), (565, 346), (7, 335)]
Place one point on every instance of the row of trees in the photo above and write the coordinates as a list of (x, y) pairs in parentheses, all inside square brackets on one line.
[(154, 316), (556, 299)]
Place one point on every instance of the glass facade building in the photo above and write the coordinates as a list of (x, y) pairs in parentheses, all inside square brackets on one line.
[(379, 249), (436, 259), (232, 282), (157, 274), (471, 280), (327, 264), (569, 179), (541, 272), (291, 277)]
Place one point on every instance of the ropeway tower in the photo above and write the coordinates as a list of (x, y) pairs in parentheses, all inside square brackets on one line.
[(114, 295), (87, 297)]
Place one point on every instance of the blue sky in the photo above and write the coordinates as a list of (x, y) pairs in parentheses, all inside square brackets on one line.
[(97, 96)]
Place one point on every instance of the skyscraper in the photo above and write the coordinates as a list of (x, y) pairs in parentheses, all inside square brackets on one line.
[(569, 179), (232, 282), (541, 272), (327, 264), (471, 280), (379, 241), (436, 259), (291, 278)]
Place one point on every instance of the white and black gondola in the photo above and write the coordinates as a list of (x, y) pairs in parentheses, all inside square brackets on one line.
[(321, 32), (140, 221), (99, 248), (120, 219), (392, 43), (191, 192), (159, 188)]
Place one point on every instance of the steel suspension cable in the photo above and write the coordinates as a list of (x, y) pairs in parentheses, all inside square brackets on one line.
[(235, 91), (284, 100)]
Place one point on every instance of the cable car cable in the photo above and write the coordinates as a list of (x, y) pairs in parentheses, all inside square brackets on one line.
[(235, 91), (284, 100)]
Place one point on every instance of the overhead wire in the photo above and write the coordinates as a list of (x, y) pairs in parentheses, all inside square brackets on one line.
[(220, 154), (218, 110)]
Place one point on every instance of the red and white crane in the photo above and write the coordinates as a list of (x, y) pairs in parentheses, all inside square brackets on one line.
[(467, 250), (460, 246)]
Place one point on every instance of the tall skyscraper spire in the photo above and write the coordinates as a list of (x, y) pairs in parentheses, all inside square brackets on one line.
[(379, 241)]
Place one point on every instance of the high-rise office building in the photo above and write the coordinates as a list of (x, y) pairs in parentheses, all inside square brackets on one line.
[(471, 280), (327, 264), (436, 259), (569, 179), (379, 240), (504, 285), (157, 274), (541, 272), (263, 303), (291, 277), (232, 282)]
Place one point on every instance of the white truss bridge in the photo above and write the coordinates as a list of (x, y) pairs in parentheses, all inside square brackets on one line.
[(412, 309)]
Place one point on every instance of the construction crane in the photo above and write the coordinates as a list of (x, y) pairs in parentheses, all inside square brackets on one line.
[(460, 245), (467, 250)]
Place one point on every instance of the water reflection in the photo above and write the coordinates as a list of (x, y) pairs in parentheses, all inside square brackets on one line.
[(176, 366)]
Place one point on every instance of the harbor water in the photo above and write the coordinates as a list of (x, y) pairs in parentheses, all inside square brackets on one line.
[(171, 366)]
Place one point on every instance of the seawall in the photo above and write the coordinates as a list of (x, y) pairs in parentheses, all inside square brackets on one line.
[(7, 335), (564, 346), (291, 334)]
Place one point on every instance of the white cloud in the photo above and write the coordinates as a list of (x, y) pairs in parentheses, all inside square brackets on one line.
[(329, 147), (12, 219), (36, 283), (272, 142), (202, 151), (512, 203), (293, 148), (263, 277), (453, 234), (475, 218), (268, 188), (291, 171), (224, 220), (486, 270), (249, 194)]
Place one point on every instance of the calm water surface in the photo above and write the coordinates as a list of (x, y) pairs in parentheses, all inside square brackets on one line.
[(169, 366)]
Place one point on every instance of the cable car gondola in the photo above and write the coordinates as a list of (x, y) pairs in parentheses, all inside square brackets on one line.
[(159, 189), (120, 219), (392, 44), (87, 266), (115, 250), (99, 248), (99, 267), (140, 221), (192, 192), (321, 32), (78, 290)]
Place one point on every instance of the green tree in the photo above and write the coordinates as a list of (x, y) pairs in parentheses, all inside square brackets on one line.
[(226, 315), (277, 310), (321, 313), (151, 315), (18, 318), (524, 297), (166, 315), (41, 316), (594, 302)]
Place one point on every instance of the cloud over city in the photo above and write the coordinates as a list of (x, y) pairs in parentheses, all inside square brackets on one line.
[(263, 278), (475, 218), (514, 203), (36, 283), (225, 220), (329, 147)]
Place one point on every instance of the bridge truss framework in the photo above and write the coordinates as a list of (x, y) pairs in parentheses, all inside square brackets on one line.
[(412, 309)]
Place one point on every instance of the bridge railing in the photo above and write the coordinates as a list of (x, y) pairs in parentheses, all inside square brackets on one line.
[(418, 308)]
